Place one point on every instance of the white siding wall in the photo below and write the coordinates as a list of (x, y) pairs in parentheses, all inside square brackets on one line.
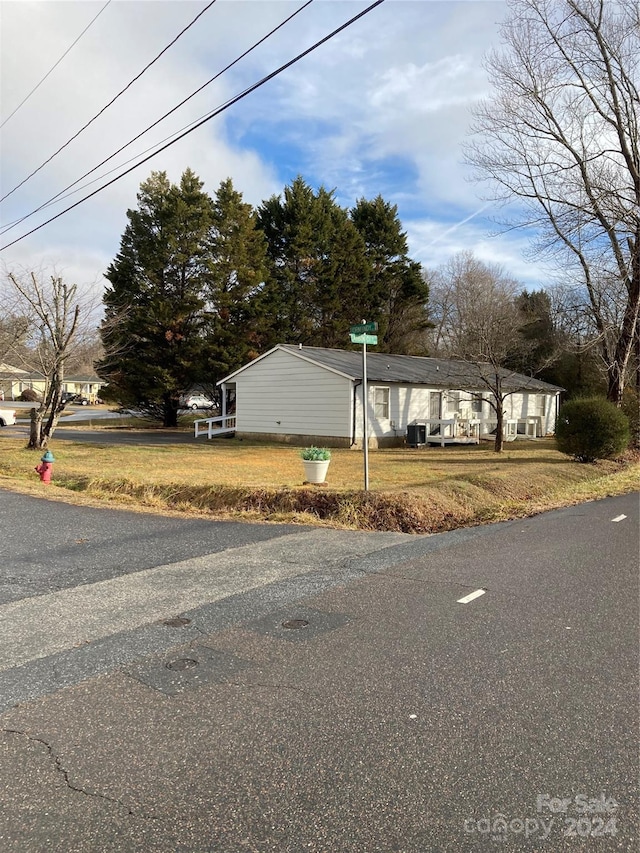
[(516, 405), (284, 394), (550, 406), (409, 403), (413, 404), (530, 405), (406, 403)]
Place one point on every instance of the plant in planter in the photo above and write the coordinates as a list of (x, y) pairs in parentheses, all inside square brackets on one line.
[(316, 463)]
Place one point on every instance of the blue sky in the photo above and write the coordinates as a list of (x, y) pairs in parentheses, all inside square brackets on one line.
[(381, 109)]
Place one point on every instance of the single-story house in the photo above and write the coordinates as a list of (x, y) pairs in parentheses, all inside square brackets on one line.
[(313, 395), (14, 380), (10, 379)]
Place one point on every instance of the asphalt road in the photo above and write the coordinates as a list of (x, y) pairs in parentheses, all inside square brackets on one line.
[(153, 699), (111, 435)]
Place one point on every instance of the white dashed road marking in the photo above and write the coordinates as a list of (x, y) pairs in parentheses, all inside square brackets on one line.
[(619, 518), (471, 596)]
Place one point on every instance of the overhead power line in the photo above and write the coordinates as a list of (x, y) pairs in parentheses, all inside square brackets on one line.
[(53, 67), (60, 194), (207, 118), (112, 101)]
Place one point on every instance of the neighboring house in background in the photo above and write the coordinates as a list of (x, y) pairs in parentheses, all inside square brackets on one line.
[(84, 386), (14, 380), (312, 395), (10, 379)]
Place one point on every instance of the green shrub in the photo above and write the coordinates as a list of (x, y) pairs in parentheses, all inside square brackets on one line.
[(316, 454), (591, 428)]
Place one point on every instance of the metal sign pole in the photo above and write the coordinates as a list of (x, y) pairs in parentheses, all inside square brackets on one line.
[(365, 417), (363, 333)]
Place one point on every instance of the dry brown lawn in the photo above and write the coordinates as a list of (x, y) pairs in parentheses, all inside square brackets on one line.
[(413, 490)]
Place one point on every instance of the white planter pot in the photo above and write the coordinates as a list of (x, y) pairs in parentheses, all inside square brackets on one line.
[(315, 472)]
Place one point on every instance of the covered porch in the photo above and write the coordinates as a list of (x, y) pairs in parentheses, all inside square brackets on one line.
[(225, 422), (455, 430)]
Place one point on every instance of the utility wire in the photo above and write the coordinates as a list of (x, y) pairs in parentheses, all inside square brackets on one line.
[(50, 201), (207, 118), (112, 101), (60, 197), (56, 65)]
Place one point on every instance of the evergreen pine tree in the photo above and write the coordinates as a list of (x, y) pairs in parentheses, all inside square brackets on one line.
[(318, 269), (238, 263), (398, 291), (152, 331)]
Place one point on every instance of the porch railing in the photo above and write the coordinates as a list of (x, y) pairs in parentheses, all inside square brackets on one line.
[(470, 430), (213, 427)]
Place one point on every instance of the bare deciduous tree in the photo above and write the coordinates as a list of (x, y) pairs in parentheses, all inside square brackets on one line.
[(473, 310), (52, 309), (562, 135), (13, 326), (476, 319)]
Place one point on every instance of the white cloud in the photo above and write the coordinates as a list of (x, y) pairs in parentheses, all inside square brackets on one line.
[(433, 243), (84, 82), (424, 89), (406, 96), (382, 108)]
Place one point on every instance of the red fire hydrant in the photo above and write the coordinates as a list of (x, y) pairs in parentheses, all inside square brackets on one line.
[(45, 468)]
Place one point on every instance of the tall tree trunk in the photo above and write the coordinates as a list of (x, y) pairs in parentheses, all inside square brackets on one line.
[(626, 340), (615, 387), (170, 412), (635, 421), (499, 443), (35, 430)]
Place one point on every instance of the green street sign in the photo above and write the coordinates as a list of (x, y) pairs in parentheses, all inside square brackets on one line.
[(364, 339), (363, 329)]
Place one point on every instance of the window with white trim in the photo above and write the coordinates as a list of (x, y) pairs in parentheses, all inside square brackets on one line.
[(476, 404), (381, 403)]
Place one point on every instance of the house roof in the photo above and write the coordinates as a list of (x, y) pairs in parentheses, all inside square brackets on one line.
[(9, 369), (410, 370), (17, 374)]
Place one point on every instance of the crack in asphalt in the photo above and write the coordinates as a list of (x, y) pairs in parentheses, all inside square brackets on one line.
[(200, 631), (140, 814), (64, 773)]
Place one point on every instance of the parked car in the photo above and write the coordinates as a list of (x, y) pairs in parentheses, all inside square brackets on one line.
[(80, 399), (196, 401), (7, 417)]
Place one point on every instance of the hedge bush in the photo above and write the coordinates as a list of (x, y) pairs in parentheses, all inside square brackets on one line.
[(591, 428)]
